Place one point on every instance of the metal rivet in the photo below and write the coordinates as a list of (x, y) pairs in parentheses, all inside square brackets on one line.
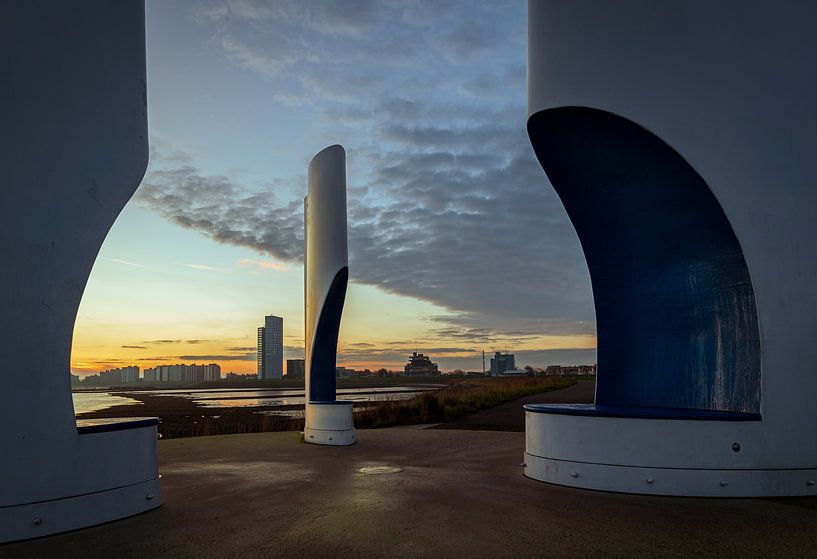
[(650, 480), (149, 496), (810, 482), (37, 521), (724, 483), (736, 447), (574, 474)]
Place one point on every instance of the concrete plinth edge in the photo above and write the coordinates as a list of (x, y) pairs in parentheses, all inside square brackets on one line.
[(326, 437), (34, 520), (685, 482), (329, 423)]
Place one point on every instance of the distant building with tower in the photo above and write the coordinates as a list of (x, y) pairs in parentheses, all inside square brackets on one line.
[(502, 362), (421, 366), (296, 368), (270, 356)]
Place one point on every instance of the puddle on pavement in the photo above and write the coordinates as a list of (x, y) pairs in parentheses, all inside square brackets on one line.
[(379, 470)]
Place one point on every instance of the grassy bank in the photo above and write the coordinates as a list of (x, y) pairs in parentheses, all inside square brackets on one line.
[(456, 400), (184, 417)]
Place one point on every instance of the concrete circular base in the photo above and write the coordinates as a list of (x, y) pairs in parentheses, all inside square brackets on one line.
[(682, 457), (329, 423), (672, 481), (34, 520)]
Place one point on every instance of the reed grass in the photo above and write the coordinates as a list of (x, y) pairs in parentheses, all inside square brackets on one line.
[(459, 398), (456, 400)]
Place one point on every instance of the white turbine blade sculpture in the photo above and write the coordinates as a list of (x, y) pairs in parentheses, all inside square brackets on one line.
[(704, 303), (326, 274), (75, 147)]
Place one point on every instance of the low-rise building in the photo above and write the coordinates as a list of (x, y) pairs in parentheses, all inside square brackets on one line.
[(570, 370), (239, 376), (296, 368), (502, 362), (420, 365)]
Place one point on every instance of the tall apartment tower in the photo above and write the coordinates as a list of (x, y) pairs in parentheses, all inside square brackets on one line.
[(270, 354)]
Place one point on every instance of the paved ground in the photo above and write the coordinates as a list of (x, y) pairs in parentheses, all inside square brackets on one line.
[(457, 494), (511, 416)]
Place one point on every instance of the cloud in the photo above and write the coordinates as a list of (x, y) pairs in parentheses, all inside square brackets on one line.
[(242, 55), (127, 263), (221, 209), (171, 342), (134, 347), (324, 17), (262, 265), (203, 267), (446, 201), (492, 239), (470, 39), (536, 358), (240, 9), (219, 357), (150, 359), (400, 354), (569, 356)]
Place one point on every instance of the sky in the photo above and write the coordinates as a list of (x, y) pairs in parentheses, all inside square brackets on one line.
[(457, 242)]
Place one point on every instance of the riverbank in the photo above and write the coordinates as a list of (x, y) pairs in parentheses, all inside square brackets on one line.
[(282, 384), (510, 416), (457, 400), (182, 416)]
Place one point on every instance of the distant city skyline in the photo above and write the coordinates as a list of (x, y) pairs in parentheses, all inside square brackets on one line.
[(297, 365), (418, 365), (457, 243)]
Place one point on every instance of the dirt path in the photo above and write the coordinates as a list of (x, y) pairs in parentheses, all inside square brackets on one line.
[(511, 416)]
